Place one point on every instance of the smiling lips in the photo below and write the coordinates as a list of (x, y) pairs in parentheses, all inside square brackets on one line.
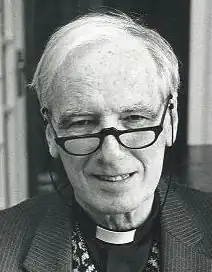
[(114, 178)]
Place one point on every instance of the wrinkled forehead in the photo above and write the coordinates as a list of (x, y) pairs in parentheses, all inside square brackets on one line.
[(107, 70), (127, 54)]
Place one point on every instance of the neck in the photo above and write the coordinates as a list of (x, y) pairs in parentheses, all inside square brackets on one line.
[(121, 221)]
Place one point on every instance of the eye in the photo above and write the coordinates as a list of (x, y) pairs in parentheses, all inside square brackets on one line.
[(81, 123), (82, 126), (134, 118), (134, 121)]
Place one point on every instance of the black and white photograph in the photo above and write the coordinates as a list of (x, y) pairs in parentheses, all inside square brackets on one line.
[(105, 136)]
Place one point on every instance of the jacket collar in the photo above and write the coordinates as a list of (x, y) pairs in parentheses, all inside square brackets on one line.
[(182, 242), (48, 245)]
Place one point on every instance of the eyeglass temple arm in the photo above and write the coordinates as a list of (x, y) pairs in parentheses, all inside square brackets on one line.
[(44, 112), (168, 104)]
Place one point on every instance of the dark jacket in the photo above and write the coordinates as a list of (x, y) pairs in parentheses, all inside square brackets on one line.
[(35, 236)]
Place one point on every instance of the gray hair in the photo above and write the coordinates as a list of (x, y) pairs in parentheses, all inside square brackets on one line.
[(93, 27)]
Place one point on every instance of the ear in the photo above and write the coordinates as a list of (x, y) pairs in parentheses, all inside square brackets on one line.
[(53, 148), (171, 114)]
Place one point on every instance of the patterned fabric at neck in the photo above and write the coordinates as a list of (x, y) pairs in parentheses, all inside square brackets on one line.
[(83, 261)]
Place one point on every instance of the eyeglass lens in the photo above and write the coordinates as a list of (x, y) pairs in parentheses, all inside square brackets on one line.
[(137, 139)]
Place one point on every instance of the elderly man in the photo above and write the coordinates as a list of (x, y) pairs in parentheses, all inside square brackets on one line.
[(107, 87)]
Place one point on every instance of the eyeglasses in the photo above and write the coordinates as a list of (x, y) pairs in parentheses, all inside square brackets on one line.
[(86, 144)]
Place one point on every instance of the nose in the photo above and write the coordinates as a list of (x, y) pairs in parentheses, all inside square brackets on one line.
[(111, 150)]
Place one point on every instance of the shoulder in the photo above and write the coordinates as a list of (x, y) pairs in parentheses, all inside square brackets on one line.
[(192, 196), (15, 221), (20, 223), (197, 203), (26, 208), (185, 193), (185, 207)]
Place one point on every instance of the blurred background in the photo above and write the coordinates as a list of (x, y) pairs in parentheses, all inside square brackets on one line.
[(25, 26)]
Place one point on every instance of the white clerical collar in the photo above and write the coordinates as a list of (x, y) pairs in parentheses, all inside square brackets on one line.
[(115, 237)]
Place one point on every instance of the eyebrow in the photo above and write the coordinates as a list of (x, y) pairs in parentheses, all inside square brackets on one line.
[(138, 107), (79, 112), (71, 114)]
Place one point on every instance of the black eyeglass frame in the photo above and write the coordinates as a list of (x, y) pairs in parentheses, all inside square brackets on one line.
[(109, 131)]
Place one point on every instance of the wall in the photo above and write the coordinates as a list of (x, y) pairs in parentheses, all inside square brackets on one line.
[(13, 155), (200, 74)]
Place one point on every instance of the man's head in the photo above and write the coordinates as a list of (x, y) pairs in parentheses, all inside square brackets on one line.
[(104, 71)]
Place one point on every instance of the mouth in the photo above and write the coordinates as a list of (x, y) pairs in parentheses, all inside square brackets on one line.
[(114, 178)]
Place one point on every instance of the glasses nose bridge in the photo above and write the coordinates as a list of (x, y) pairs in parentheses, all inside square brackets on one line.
[(109, 131), (110, 148)]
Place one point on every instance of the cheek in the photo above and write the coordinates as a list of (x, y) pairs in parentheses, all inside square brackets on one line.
[(74, 167), (151, 159)]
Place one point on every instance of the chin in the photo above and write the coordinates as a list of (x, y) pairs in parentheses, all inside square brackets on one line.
[(116, 206)]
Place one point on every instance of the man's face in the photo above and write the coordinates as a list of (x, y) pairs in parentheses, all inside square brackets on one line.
[(110, 85)]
